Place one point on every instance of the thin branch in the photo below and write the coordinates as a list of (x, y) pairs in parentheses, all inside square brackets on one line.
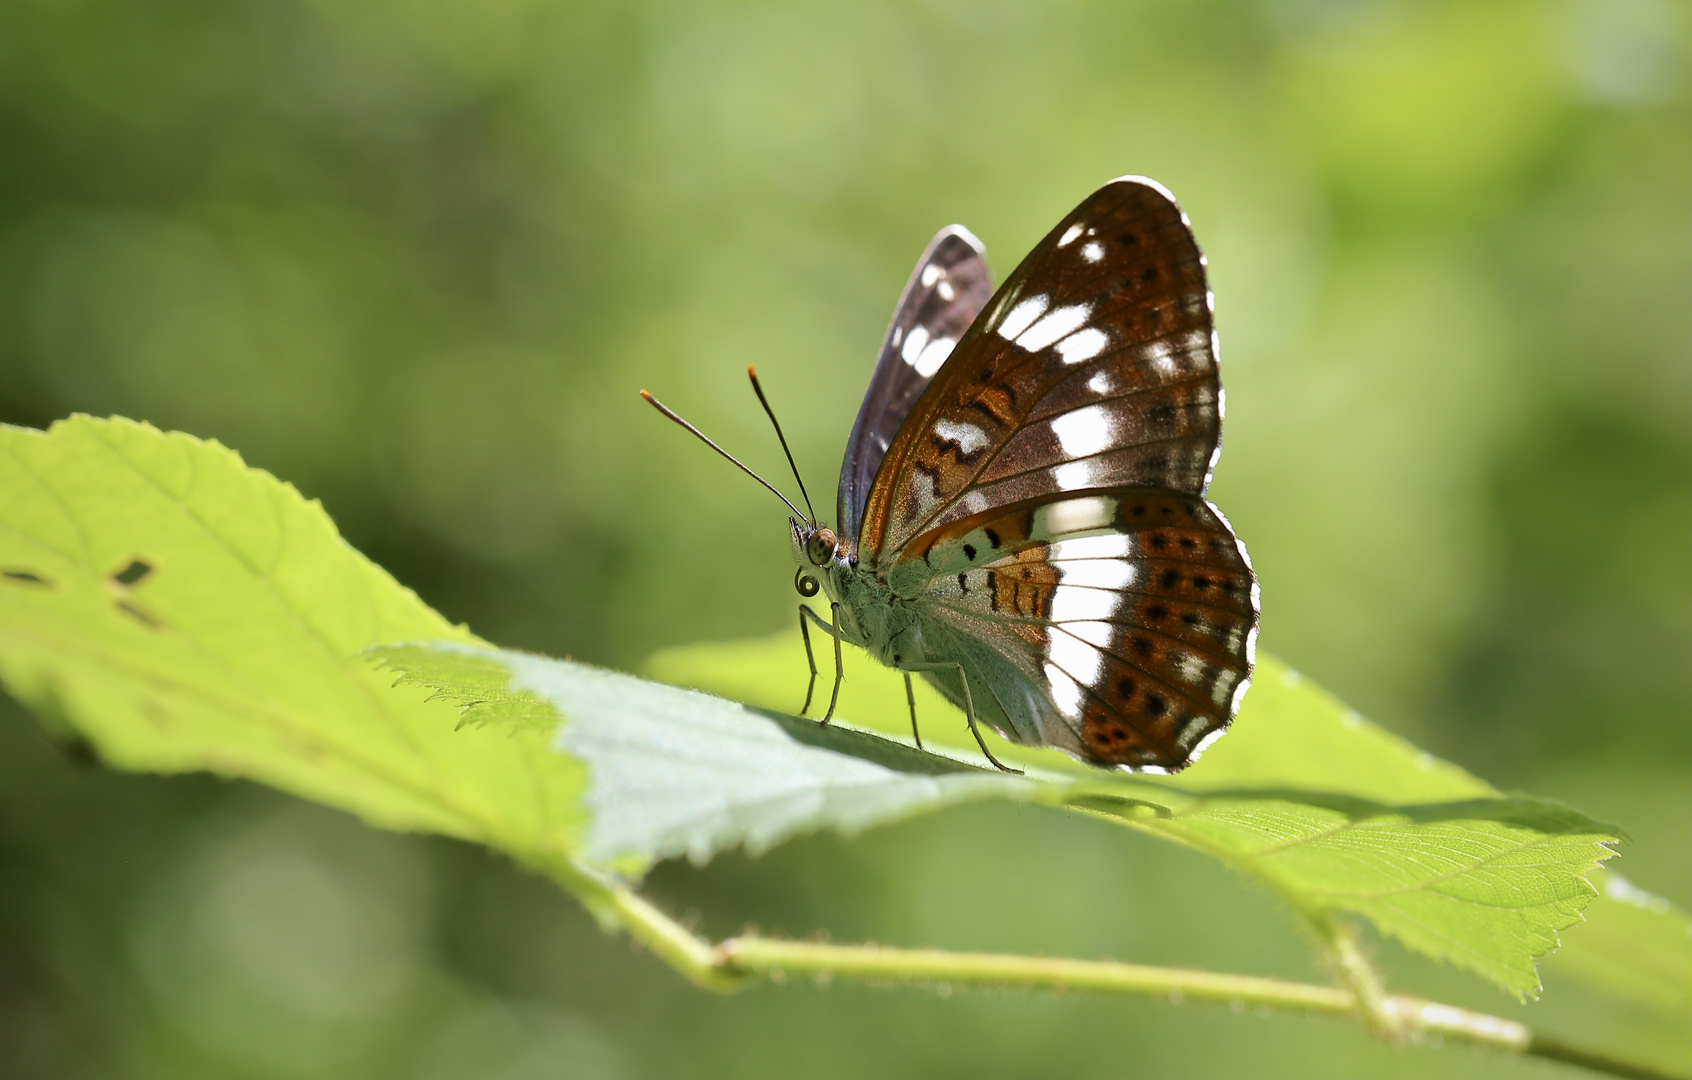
[(1345, 954), (772, 958), (741, 961)]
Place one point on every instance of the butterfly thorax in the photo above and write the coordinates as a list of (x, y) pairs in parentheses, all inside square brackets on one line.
[(871, 615)]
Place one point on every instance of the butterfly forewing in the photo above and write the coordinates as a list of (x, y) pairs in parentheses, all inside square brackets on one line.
[(1093, 367), (946, 292), (1133, 610)]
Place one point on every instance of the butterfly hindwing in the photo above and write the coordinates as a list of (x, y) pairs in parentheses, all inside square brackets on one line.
[(945, 293), (1093, 367), (1131, 612)]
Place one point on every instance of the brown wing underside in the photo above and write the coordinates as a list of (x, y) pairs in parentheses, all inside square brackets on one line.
[(1093, 367), (1134, 610)]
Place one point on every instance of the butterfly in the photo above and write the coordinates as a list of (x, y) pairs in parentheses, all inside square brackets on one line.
[(1021, 512)]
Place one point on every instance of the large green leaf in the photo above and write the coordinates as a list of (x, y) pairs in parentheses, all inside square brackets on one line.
[(1434, 858), (181, 611), (1516, 885), (677, 772)]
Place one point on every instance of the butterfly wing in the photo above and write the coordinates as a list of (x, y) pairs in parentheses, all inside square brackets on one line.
[(1093, 367), (1042, 504), (945, 293), (1122, 624)]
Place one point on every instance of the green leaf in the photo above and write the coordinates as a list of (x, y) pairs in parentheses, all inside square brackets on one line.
[(1484, 883), (1435, 858), (1624, 978), (182, 611), (676, 772), (1334, 813)]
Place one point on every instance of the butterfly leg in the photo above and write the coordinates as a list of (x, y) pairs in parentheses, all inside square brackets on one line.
[(833, 628), (910, 698), (839, 668), (969, 709), (805, 633)]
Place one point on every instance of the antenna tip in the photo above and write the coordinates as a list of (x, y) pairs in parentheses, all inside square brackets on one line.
[(645, 395), (751, 371)]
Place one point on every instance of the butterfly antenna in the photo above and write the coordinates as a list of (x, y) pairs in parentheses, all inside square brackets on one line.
[(667, 411), (752, 373)]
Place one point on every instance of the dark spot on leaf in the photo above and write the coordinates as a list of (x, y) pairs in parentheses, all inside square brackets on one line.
[(26, 577), (77, 749), (139, 615), (134, 572)]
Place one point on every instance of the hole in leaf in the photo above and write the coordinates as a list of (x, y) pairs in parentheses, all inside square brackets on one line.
[(135, 571), (26, 577)]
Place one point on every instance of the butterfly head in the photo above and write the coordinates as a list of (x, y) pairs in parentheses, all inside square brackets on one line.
[(817, 550)]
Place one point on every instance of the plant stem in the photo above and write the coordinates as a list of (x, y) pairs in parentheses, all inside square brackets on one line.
[(1345, 952), (739, 961), (772, 958)]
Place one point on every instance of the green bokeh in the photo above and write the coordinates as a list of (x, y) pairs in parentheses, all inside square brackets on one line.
[(418, 256)]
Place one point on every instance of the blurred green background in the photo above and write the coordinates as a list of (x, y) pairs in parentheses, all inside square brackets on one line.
[(416, 257)]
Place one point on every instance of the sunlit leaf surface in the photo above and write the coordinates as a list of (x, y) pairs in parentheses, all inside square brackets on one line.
[(182, 611)]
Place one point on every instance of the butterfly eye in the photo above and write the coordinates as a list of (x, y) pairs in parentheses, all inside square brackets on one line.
[(821, 546), (806, 584)]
